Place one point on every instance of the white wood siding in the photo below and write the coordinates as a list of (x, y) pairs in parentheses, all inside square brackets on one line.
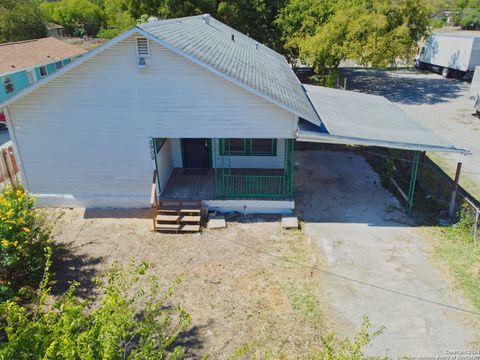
[(86, 133)]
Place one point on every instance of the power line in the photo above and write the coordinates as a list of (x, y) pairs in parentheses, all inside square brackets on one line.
[(378, 287)]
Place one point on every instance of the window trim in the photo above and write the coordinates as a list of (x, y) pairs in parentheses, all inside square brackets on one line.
[(148, 47), (4, 82), (248, 151), (40, 71), (34, 75)]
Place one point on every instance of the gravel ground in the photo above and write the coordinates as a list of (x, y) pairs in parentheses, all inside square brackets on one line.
[(367, 238), (439, 104)]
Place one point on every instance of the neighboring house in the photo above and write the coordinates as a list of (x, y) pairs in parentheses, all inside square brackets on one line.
[(23, 63), (210, 111), (55, 30)]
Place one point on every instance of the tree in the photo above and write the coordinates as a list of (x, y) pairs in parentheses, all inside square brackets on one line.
[(370, 32), (117, 18), (21, 20), (24, 244), (78, 17), (129, 321), (169, 8), (467, 14), (253, 17)]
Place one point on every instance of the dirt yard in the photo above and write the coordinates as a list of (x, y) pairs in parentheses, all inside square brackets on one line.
[(254, 284), (236, 285)]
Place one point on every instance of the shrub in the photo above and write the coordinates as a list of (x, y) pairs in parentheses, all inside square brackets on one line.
[(108, 33), (348, 349), (24, 242), (130, 321)]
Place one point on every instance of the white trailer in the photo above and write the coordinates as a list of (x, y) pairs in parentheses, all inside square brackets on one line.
[(452, 54)]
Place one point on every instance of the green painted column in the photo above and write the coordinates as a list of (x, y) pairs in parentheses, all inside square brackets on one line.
[(413, 181)]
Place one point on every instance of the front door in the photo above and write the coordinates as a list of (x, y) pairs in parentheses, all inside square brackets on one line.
[(196, 153)]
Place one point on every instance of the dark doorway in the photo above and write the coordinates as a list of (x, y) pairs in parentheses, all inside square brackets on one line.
[(196, 153)]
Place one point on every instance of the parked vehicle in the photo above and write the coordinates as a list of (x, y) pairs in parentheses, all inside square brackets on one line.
[(451, 54), (475, 89)]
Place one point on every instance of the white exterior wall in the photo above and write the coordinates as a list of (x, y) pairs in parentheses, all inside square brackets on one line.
[(84, 136)]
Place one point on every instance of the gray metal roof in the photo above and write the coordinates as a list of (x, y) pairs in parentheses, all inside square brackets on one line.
[(359, 119), (242, 59)]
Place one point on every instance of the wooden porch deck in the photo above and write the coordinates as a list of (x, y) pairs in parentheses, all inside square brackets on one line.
[(199, 184)]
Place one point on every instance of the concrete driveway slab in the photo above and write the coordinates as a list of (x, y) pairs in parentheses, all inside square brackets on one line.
[(368, 240)]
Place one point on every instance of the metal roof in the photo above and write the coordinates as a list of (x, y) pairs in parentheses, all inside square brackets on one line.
[(237, 57), (359, 119)]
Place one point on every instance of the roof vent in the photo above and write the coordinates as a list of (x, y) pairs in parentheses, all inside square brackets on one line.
[(256, 46), (152, 19), (233, 37), (206, 19), (143, 48)]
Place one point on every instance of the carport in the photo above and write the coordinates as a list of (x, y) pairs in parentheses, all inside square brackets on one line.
[(351, 118)]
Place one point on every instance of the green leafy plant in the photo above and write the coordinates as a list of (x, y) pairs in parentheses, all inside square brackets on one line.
[(348, 349), (130, 321), (24, 244)]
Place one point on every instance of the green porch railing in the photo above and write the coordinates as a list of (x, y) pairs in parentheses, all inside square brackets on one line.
[(254, 183)]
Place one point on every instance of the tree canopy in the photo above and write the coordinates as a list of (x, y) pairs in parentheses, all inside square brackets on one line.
[(21, 20), (369, 32), (78, 17)]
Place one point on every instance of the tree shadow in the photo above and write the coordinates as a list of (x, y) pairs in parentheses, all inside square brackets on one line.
[(191, 341), (69, 266), (405, 86)]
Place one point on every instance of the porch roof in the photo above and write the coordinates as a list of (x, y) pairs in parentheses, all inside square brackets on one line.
[(354, 118)]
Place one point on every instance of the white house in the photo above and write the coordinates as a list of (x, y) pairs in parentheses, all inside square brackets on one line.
[(211, 110)]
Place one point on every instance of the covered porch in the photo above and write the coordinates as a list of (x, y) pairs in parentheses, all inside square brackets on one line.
[(226, 177)]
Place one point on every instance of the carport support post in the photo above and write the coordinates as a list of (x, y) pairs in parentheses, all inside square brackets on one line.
[(451, 208), (413, 180)]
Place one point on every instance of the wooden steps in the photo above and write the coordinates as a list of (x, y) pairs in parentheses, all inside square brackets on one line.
[(178, 216)]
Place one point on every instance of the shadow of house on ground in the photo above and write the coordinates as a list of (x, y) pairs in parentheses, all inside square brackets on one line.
[(69, 266), (341, 187), (409, 87), (118, 213)]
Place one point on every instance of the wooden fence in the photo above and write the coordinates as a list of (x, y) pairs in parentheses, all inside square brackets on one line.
[(8, 166)]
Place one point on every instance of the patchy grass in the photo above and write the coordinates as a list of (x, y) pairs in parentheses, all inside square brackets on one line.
[(472, 187), (454, 249)]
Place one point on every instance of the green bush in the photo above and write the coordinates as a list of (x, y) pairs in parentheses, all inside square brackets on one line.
[(108, 33), (348, 349), (129, 322), (24, 243)]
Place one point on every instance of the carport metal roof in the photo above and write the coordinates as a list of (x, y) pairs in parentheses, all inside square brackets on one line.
[(360, 119)]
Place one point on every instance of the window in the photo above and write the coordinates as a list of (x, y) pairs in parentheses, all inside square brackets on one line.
[(265, 147), (233, 146), (58, 65), (31, 76), (43, 71), (8, 84), (248, 147), (143, 49)]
